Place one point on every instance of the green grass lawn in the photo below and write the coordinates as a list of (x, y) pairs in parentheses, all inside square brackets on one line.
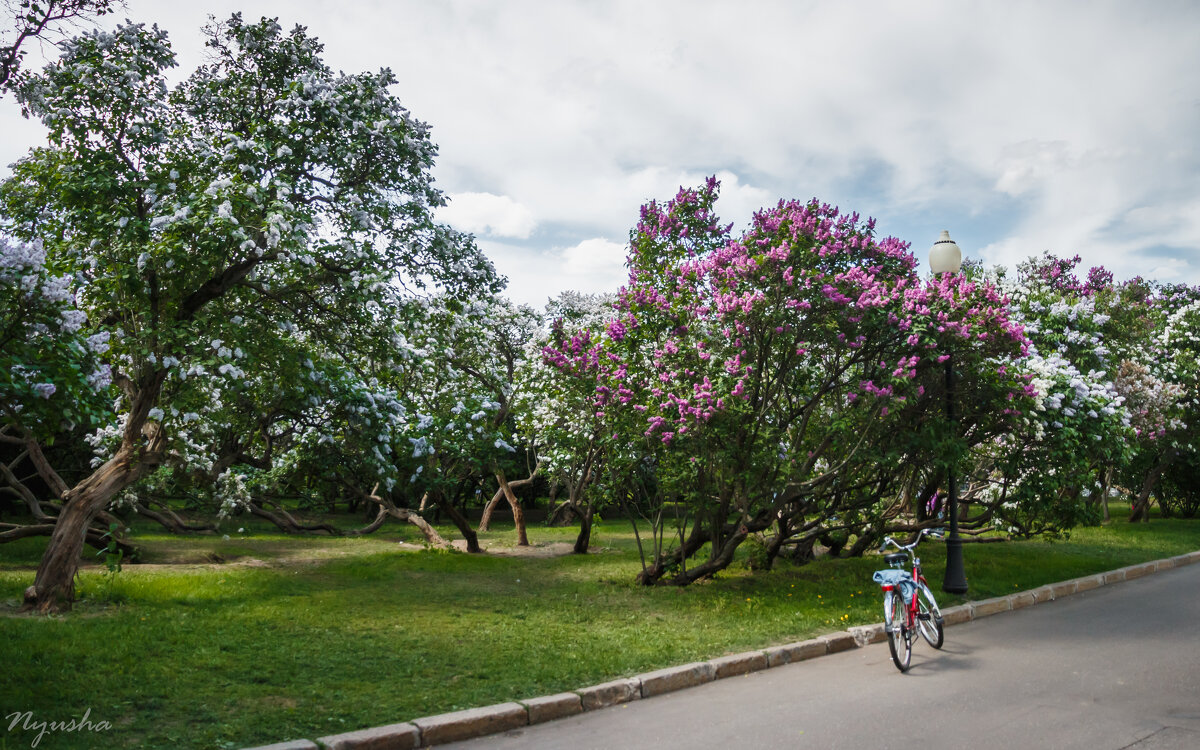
[(260, 637)]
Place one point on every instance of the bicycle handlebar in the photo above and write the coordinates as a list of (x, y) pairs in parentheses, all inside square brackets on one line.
[(935, 533)]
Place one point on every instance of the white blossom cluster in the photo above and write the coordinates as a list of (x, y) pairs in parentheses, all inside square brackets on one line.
[(45, 349), (1065, 392), (231, 493), (1056, 326)]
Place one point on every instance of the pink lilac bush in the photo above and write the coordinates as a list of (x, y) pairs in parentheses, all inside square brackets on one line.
[(771, 374)]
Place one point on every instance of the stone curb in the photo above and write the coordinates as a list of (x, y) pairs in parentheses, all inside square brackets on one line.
[(795, 652), (391, 737), (503, 717), (549, 707), (292, 745), (474, 722), (677, 678), (611, 693)]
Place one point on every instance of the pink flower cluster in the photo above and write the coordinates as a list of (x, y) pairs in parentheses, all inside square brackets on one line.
[(807, 295)]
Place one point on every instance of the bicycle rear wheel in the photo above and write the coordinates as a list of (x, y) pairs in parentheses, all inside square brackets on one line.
[(929, 619), (895, 621)]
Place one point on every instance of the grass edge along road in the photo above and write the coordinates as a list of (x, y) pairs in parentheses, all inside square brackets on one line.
[(261, 637)]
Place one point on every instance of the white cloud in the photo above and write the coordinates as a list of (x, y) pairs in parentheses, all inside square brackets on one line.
[(593, 265), (484, 213), (598, 259), (1169, 270), (1025, 166)]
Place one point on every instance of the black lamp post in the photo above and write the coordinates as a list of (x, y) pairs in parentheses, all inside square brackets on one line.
[(945, 257)]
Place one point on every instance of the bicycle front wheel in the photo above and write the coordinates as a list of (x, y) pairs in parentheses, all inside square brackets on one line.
[(929, 617), (895, 621)]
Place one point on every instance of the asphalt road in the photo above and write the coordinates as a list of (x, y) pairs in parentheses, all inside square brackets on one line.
[(1117, 667)]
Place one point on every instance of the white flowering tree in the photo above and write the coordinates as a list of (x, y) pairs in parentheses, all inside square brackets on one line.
[(265, 194), (1179, 343), (52, 381), (463, 380), (1039, 476), (1160, 386)]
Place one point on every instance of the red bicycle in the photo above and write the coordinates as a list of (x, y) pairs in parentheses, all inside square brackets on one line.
[(908, 604)]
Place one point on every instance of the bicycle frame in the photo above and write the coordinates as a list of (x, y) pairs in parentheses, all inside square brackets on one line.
[(913, 610)]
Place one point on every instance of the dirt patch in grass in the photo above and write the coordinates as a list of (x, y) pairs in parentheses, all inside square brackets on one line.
[(537, 549)]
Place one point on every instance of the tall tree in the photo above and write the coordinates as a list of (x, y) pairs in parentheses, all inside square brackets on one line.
[(265, 193)]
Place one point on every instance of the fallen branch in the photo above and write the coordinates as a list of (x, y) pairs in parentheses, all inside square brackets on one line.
[(171, 521), (288, 524)]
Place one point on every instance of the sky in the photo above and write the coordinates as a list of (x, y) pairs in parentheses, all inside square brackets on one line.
[(1020, 127)]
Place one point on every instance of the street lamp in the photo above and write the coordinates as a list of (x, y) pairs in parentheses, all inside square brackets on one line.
[(945, 257)]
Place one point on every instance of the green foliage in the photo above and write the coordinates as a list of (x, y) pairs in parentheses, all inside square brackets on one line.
[(1179, 494)]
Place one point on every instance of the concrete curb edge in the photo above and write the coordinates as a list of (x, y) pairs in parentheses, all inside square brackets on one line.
[(503, 717)]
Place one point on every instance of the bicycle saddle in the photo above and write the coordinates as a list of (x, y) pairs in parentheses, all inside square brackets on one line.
[(895, 557)]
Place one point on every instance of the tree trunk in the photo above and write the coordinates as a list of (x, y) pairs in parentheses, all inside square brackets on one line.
[(380, 516), (31, 501), (286, 523), (864, 542), (97, 538), (1141, 508), (515, 504), (486, 519), (53, 587), (459, 520), (731, 536), (33, 452), (44, 469), (563, 515), (142, 443), (1105, 484), (665, 561), (171, 521), (584, 539), (776, 544), (506, 490), (803, 552), (716, 562)]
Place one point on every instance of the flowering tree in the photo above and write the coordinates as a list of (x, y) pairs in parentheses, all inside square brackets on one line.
[(465, 389), (264, 193), (1161, 387), (51, 377), (770, 375), (557, 412), (1110, 363), (1179, 343), (1038, 477)]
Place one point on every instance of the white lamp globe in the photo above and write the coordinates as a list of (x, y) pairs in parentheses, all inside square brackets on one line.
[(944, 256)]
